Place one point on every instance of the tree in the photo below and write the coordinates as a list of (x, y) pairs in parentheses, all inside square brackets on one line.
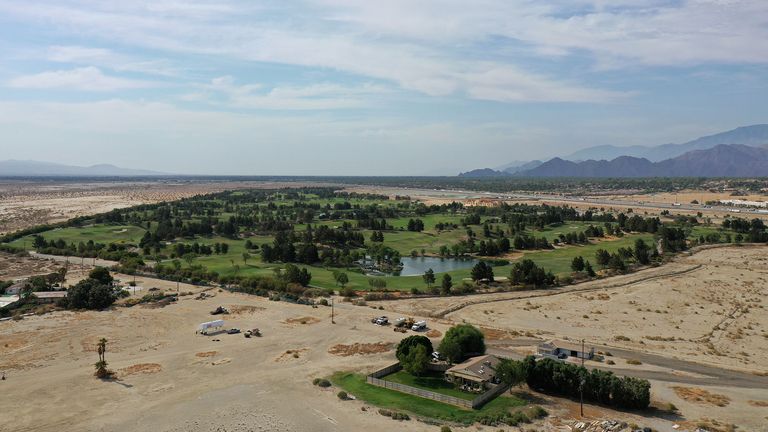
[(417, 360), (616, 262), (407, 344), (378, 283), (602, 257), (461, 341), (101, 365), (341, 279), (526, 272), (102, 275), (189, 258), (429, 277), (642, 253), (510, 372), (246, 257), (482, 271), (589, 270), (577, 264), (446, 284), (90, 294)]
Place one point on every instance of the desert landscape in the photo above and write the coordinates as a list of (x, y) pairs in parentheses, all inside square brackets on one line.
[(183, 381), (26, 203)]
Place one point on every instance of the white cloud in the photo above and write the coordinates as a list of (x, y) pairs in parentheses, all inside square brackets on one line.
[(617, 33), (310, 35), (480, 50), (318, 96), (86, 79), (105, 58)]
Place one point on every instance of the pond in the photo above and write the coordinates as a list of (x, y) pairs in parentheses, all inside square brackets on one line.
[(417, 266)]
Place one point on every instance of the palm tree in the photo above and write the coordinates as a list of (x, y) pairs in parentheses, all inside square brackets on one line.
[(101, 365)]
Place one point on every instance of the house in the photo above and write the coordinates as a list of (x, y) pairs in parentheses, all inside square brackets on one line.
[(557, 349), (476, 373), (49, 296), (16, 288)]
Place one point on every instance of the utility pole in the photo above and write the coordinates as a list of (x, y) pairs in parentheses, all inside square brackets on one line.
[(583, 381), (332, 321)]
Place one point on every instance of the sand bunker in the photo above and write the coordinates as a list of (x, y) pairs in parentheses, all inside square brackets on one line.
[(206, 354), (360, 348)]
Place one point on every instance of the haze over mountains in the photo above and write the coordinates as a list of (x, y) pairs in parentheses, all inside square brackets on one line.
[(736, 153), (29, 168)]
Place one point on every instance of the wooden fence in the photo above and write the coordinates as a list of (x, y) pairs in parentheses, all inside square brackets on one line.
[(375, 379)]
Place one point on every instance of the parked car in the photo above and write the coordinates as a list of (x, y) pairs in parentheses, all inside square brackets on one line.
[(382, 320), (233, 331)]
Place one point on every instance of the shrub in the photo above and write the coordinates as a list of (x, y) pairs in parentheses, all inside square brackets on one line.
[(342, 395), (445, 429), (634, 362), (537, 412), (394, 415), (322, 382)]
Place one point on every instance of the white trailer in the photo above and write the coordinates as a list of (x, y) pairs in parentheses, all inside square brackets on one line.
[(205, 327)]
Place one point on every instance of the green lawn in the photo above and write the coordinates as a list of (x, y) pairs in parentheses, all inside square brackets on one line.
[(432, 381), (385, 398), (558, 261), (98, 233)]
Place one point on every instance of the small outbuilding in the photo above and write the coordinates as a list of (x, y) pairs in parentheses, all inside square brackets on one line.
[(560, 350), (17, 287), (49, 296)]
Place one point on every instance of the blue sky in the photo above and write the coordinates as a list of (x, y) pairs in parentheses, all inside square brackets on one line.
[(396, 87)]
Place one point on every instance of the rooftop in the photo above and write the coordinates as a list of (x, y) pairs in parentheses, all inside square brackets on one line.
[(568, 345), (479, 368), (50, 294)]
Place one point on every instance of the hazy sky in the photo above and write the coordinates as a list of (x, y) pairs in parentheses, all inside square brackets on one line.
[(369, 87)]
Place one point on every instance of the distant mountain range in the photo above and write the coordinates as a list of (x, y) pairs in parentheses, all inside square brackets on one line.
[(509, 169), (735, 153), (755, 135), (29, 168), (732, 160)]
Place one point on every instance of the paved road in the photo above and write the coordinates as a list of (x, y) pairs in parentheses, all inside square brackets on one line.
[(711, 375), (75, 260)]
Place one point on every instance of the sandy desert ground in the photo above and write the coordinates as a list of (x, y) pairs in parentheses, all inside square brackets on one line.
[(705, 307), (27, 203), (173, 380)]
